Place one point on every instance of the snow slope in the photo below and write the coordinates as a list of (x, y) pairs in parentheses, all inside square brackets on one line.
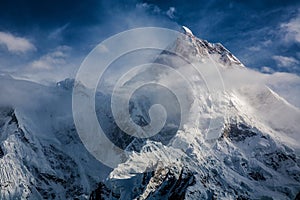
[(255, 157), (42, 156)]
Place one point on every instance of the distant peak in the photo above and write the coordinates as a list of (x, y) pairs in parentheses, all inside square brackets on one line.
[(67, 84), (187, 31)]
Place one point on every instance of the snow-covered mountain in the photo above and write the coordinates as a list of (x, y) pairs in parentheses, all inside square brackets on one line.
[(236, 142), (41, 154), (255, 156)]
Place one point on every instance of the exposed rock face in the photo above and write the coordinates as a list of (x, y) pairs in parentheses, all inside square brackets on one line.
[(242, 165), (1, 153), (163, 183), (238, 132)]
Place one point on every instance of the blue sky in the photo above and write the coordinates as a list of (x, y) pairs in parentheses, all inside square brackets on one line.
[(51, 38)]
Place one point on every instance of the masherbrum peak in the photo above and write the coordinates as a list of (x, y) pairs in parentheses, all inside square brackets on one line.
[(255, 157), (246, 162)]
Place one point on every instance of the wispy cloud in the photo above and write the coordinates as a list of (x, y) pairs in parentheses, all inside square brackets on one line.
[(171, 12), (53, 59), (57, 32), (15, 44), (153, 8), (283, 61), (53, 66), (254, 48), (292, 29)]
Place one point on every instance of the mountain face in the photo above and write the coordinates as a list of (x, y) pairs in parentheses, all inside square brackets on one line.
[(237, 142), (41, 154)]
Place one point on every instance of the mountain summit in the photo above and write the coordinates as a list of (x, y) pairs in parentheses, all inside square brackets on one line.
[(187, 31)]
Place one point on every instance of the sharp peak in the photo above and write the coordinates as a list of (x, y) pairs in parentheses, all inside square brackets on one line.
[(187, 31), (203, 48)]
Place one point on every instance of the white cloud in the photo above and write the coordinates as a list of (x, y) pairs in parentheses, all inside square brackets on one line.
[(286, 85), (155, 9), (283, 61), (15, 44), (54, 66), (146, 6), (292, 29), (53, 59), (266, 69), (171, 12)]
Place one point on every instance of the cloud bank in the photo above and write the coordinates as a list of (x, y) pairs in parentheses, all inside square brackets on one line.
[(16, 44)]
